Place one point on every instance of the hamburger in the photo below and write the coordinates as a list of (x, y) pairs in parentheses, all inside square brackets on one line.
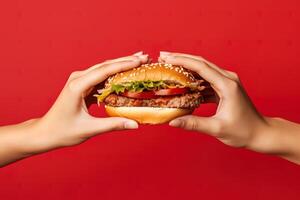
[(151, 93)]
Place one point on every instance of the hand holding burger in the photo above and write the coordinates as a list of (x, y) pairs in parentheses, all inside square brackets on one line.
[(236, 122), (68, 122)]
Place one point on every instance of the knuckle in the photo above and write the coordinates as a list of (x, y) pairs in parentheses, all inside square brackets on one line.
[(191, 125), (73, 86), (74, 74), (233, 85), (116, 126), (229, 87), (194, 126), (234, 76), (120, 126)]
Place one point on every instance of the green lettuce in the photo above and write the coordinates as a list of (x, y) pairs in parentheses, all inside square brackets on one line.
[(136, 86)]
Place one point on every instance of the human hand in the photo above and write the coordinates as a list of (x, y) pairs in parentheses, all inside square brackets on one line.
[(68, 121), (236, 121)]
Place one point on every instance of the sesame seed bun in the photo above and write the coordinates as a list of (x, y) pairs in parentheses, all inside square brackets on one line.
[(150, 72), (147, 115), (153, 72)]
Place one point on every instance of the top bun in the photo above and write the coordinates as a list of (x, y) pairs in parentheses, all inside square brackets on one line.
[(153, 72)]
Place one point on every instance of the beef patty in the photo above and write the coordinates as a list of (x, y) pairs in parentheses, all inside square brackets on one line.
[(188, 100)]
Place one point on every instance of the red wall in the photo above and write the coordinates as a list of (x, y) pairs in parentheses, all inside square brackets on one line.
[(41, 42)]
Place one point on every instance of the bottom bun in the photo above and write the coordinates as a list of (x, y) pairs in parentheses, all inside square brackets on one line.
[(147, 115)]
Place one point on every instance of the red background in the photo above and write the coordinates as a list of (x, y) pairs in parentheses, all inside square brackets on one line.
[(42, 42)]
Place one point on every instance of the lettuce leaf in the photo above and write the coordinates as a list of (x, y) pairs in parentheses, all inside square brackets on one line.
[(136, 86)]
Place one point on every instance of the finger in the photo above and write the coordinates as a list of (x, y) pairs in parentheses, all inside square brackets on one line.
[(222, 71), (98, 75), (195, 123), (164, 53), (101, 125), (142, 58), (215, 78), (138, 53), (227, 73)]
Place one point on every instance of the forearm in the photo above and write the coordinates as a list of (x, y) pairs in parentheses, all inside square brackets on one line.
[(15, 141), (279, 137)]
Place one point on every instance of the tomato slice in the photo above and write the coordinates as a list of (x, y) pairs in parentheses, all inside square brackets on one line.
[(171, 91), (155, 93), (139, 95)]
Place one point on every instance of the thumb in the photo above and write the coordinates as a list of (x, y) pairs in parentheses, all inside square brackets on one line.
[(102, 125), (195, 123)]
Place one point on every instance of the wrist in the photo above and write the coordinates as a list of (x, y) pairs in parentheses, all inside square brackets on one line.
[(35, 138), (22, 140), (264, 138), (16, 139), (276, 136)]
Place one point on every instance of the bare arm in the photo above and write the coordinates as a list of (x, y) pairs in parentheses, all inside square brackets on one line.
[(236, 122), (68, 122), (12, 140), (279, 137)]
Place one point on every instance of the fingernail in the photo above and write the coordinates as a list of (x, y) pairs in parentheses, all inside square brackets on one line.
[(163, 57), (136, 60), (164, 53), (138, 53), (175, 123), (131, 125)]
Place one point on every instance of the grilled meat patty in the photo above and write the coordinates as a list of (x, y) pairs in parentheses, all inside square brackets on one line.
[(188, 100)]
